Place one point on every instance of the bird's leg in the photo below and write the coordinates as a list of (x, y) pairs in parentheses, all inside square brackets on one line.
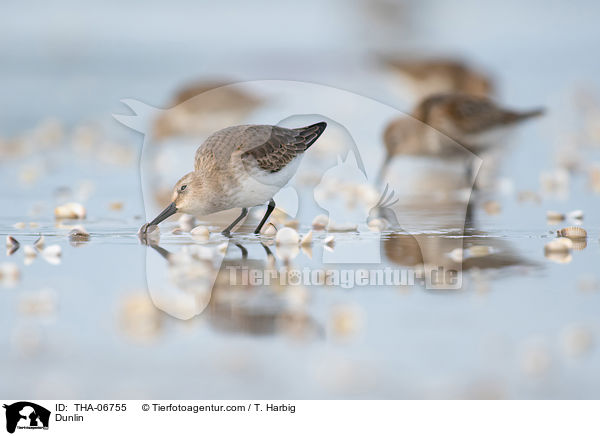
[(270, 208), (267, 250), (227, 231), (242, 249)]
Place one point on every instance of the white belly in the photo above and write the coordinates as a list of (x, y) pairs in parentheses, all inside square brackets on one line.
[(258, 186)]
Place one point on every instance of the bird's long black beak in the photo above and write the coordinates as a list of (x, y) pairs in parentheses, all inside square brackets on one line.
[(169, 210)]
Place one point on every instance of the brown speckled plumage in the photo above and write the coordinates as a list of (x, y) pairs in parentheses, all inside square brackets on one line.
[(283, 145), (467, 113)]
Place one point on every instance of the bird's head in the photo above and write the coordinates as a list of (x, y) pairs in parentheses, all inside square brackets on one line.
[(187, 198)]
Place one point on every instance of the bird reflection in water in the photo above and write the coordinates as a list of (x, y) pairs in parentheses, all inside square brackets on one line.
[(231, 304)]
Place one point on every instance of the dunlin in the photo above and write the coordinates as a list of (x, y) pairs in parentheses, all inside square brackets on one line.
[(476, 123), (240, 166), (431, 76)]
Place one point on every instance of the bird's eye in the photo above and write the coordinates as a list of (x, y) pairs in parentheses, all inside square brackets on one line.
[(183, 188)]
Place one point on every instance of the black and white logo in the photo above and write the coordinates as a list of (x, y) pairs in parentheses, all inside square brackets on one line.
[(26, 415)]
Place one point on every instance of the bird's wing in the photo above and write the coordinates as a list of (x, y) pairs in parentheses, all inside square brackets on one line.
[(280, 147), (471, 114)]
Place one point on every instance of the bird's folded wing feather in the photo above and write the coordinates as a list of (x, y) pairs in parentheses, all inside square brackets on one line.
[(281, 147)]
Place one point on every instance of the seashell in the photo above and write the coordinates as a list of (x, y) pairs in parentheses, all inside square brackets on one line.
[(187, 222), (457, 255), (480, 251), (19, 225), (559, 257), (52, 254), (287, 252), (12, 245), (320, 222), (201, 233), (558, 245), (329, 241), (492, 207), (573, 232), (576, 214), (33, 225), (340, 228), (79, 234), (177, 231), (11, 242), (70, 211), (554, 216), (115, 205), (307, 239), (29, 251), (287, 236), (378, 225), (579, 244), (269, 230), (9, 274)]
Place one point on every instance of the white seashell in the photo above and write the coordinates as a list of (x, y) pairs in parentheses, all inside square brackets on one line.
[(559, 257), (329, 241), (287, 252), (558, 245), (39, 243), (52, 251), (287, 236), (457, 255), (200, 233), (29, 251), (576, 214), (19, 225), (187, 222), (378, 225), (554, 216), (33, 225), (269, 230), (573, 232), (177, 231), (307, 239), (480, 251), (320, 222), (9, 273), (339, 228), (70, 211)]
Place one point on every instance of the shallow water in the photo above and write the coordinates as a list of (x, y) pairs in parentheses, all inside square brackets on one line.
[(520, 325)]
